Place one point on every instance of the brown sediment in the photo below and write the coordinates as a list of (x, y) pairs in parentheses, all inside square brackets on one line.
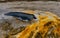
[(48, 27)]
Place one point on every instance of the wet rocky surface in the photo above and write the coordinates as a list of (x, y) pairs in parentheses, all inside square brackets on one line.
[(11, 26)]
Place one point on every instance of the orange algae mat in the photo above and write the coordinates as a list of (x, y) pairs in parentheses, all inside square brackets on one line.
[(47, 26)]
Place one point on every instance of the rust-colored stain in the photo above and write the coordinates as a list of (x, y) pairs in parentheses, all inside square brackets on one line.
[(48, 25)]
